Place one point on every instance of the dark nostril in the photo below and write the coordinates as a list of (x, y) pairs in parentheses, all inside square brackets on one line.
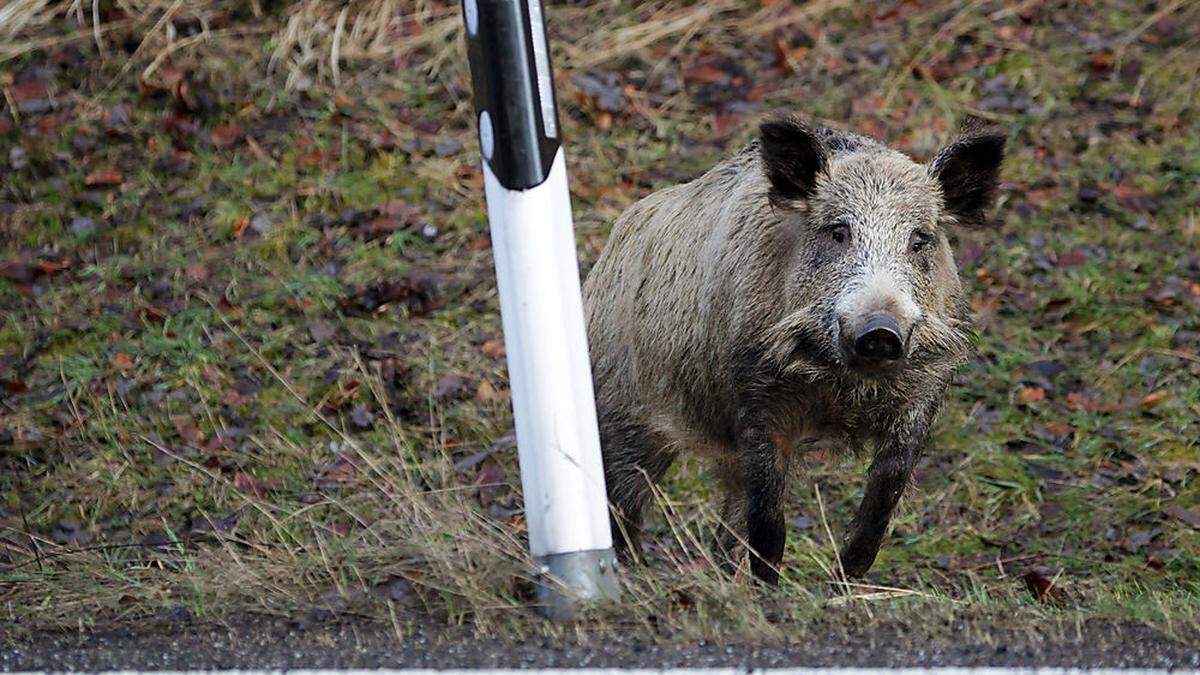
[(879, 339)]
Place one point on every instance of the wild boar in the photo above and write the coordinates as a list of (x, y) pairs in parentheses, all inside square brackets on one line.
[(800, 294)]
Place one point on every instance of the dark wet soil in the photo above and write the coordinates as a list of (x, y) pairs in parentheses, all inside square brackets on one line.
[(253, 642)]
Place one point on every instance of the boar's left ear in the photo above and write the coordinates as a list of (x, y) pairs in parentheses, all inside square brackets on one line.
[(792, 157), (968, 170)]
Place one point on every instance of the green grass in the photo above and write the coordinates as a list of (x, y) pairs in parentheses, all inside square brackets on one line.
[(186, 369)]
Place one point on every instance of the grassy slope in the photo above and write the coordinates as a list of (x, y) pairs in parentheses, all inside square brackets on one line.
[(268, 373)]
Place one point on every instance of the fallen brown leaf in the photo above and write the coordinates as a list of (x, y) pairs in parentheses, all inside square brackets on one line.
[(240, 227), (488, 393), (419, 294), (1032, 394), (123, 361), (1153, 399), (1189, 517), (490, 479), (1045, 584), (247, 483), (341, 471), (1074, 258), (705, 74), (32, 89), (196, 272), (310, 159), (1059, 428), (226, 136), (493, 349), (103, 178), (448, 386)]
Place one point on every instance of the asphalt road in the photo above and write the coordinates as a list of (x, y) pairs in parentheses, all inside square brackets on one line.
[(268, 643)]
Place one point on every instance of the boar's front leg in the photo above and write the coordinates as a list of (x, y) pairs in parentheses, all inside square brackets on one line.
[(887, 477), (763, 474)]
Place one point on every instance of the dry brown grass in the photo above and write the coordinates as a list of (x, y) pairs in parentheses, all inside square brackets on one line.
[(315, 42), (311, 40)]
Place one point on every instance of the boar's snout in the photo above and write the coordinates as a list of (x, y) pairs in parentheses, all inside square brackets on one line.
[(874, 341), (879, 339)]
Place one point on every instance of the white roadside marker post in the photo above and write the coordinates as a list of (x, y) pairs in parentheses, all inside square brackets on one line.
[(541, 306)]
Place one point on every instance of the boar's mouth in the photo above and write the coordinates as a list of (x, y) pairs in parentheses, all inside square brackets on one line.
[(875, 369), (797, 344), (811, 352), (939, 343), (800, 346)]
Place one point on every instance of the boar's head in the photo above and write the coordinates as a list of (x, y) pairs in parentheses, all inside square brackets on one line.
[(871, 286)]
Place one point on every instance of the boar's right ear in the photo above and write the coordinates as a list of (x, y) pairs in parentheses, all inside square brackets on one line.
[(792, 157), (968, 170)]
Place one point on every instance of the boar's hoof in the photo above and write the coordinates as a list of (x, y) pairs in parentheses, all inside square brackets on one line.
[(764, 572), (856, 564)]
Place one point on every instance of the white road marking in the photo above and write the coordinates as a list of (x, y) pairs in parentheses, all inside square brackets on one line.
[(679, 671)]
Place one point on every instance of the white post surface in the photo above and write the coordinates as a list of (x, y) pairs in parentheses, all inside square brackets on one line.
[(541, 305), (562, 477)]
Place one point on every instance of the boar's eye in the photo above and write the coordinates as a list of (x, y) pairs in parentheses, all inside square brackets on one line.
[(839, 232), (919, 241)]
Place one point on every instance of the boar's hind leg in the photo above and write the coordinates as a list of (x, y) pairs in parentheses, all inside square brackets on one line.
[(633, 464), (763, 474), (886, 479)]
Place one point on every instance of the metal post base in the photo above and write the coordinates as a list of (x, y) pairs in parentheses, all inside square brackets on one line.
[(569, 580)]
